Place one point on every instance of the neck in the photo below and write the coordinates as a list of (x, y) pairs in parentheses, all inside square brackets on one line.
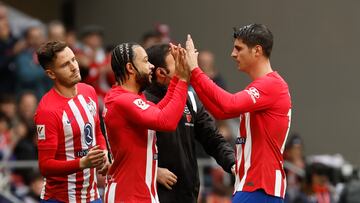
[(260, 69), (68, 92), (131, 85)]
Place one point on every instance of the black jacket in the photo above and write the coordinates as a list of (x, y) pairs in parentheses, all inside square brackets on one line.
[(177, 151)]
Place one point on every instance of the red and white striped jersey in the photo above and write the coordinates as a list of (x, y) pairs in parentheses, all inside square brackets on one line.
[(264, 108), (129, 118), (66, 129)]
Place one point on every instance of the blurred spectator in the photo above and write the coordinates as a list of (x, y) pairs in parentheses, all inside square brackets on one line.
[(150, 39), (5, 149), (71, 40), (221, 187), (160, 35), (8, 106), (30, 75), (351, 192), (294, 166), (207, 64), (93, 61), (9, 47), (56, 31), (36, 183), (26, 148), (27, 106), (317, 187)]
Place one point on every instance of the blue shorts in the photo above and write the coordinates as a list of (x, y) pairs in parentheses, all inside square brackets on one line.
[(56, 201), (258, 196)]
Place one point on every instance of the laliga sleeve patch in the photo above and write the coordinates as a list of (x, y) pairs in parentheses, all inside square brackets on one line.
[(254, 93), (141, 104), (40, 129)]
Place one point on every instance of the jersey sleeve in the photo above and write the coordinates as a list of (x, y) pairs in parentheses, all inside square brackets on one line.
[(169, 92), (48, 129), (257, 96), (151, 116)]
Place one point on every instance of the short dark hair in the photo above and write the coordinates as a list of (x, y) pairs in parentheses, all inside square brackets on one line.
[(256, 34), (47, 52), (120, 56), (157, 55)]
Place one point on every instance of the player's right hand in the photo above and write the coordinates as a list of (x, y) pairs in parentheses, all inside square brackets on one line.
[(94, 158), (166, 177)]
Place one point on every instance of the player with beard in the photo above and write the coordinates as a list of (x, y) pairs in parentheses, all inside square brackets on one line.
[(178, 173), (131, 120), (70, 143)]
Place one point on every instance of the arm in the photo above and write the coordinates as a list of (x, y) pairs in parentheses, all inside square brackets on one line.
[(214, 110), (213, 142), (47, 132), (169, 93), (243, 101), (151, 116)]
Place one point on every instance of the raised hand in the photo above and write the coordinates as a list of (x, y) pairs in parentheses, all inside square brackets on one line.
[(166, 178), (95, 158), (191, 54), (181, 69)]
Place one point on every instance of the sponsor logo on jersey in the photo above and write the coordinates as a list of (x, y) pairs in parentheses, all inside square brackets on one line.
[(40, 129), (254, 93), (156, 156), (141, 104), (240, 140), (88, 133), (82, 153)]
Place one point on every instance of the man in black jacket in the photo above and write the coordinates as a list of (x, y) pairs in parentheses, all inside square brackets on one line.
[(178, 175)]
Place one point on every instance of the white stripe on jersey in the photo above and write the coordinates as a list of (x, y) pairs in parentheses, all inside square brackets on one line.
[(155, 175), (91, 120), (239, 158), (192, 99), (278, 180), (69, 151), (149, 162), (42, 195), (247, 151), (111, 191), (287, 132), (81, 125)]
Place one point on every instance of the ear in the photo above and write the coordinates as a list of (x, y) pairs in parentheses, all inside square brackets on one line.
[(258, 50), (50, 73), (130, 68), (160, 73)]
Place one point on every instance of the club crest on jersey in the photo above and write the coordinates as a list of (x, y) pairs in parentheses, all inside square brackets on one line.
[(141, 104), (91, 105), (240, 140), (88, 133), (188, 116), (254, 93), (40, 129)]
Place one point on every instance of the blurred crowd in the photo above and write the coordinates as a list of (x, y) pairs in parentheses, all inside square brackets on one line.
[(313, 179)]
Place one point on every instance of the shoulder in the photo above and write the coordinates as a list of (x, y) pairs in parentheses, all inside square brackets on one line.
[(86, 89)]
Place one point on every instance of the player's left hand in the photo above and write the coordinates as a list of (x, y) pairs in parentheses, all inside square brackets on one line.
[(105, 167), (191, 54)]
